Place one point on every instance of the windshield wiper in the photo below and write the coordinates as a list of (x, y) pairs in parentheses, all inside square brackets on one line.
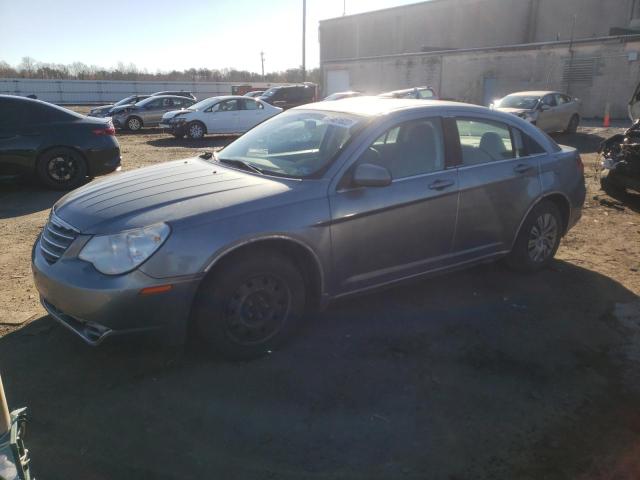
[(241, 164)]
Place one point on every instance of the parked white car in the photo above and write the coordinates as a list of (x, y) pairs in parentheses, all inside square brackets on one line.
[(227, 115)]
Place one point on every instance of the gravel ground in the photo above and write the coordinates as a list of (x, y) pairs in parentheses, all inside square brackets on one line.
[(482, 374)]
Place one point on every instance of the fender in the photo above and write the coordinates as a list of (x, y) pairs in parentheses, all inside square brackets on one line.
[(536, 202)]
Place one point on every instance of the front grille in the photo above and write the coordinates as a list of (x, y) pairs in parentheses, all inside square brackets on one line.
[(56, 237)]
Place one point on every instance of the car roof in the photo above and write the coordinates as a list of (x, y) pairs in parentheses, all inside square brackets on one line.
[(375, 106), (536, 93), (155, 97)]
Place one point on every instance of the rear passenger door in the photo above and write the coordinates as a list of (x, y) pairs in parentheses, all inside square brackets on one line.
[(548, 115), (498, 180), (251, 115), (381, 234)]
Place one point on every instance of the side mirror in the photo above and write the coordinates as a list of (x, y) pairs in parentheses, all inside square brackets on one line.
[(370, 175)]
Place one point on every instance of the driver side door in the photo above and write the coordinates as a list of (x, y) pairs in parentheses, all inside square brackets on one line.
[(383, 234), (547, 120)]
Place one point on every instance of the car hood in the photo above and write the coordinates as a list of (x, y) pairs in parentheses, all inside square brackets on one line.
[(175, 191), (515, 111), (121, 108), (172, 113), (102, 108)]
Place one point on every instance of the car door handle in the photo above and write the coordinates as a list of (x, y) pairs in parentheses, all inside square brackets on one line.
[(522, 168), (441, 184)]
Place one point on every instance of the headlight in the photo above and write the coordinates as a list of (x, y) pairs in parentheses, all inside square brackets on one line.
[(123, 252), (179, 119)]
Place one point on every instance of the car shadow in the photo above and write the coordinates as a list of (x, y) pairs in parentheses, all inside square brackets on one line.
[(584, 142), (24, 196), (211, 141), (469, 375)]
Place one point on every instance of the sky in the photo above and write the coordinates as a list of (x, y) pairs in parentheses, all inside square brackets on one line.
[(165, 35)]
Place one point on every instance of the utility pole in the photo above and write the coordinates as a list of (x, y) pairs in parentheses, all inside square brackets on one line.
[(262, 61), (304, 40), (344, 7)]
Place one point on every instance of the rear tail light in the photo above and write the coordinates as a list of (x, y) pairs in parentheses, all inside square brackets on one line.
[(579, 163), (107, 130)]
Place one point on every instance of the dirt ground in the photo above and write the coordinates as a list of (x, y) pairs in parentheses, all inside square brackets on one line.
[(482, 374)]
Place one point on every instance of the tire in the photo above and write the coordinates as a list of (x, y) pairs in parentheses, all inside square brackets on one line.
[(61, 169), (196, 130), (573, 124), (249, 305), (538, 239), (134, 124), (611, 187)]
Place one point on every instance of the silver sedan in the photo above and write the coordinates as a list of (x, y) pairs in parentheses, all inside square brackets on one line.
[(148, 112), (317, 203), (550, 111)]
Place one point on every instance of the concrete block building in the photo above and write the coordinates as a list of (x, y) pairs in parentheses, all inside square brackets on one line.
[(479, 50)]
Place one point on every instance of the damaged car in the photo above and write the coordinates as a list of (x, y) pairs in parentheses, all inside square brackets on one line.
[(621, 161), (620, 155), (549, 111)]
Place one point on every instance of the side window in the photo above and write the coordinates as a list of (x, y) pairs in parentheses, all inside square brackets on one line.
[(560, 99), (484, 141), (426, 94), (167, 102), (531, 146), (228, 106), (524, 145), (251, 104), (13, 116), (155, 103), (549, 100), (409, 149)]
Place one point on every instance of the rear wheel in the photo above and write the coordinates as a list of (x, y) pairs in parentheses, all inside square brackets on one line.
[(195, 130), (538, 240), (134, 124), (250, 305), (573, 124), (61, 169)]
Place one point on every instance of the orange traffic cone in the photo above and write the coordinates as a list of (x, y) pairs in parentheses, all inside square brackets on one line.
[(607, 117)]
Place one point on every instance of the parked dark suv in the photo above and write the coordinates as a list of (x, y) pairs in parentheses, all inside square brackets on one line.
[(59, 146), (289, 96)]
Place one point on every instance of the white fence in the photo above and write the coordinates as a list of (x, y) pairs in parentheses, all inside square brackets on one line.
[(103, 91)]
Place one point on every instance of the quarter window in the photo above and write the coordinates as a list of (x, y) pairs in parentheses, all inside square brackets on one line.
[(412, 148), (484, 141), (252, 105)]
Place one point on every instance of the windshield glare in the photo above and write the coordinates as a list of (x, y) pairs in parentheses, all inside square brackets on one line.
[(125, 101), (527, 102), (294, 144), (202, 104)]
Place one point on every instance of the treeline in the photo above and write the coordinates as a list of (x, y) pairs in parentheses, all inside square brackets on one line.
[(31, 68)]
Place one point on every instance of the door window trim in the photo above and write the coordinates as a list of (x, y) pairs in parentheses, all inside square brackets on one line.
[(338, 179)]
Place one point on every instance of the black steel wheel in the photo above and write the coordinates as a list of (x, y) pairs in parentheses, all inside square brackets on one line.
[(249, 305), (61, 169)]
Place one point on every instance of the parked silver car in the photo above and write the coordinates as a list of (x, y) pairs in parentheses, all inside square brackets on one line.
[(148, 112), (549, 111), (322, 201)]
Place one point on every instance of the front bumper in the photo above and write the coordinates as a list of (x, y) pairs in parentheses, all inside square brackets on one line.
[(175, 128), (96, 306)]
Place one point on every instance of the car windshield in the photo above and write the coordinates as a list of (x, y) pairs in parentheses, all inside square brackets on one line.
[(270, 92), (528, 102), (298, 143), (126, 101), (203, 104)]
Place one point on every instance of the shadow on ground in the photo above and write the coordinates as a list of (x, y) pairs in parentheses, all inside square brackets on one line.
[(483, 374), (22, 197)]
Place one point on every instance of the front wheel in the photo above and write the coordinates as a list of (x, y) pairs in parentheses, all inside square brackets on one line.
[(61, 169), (538, 240), (195, 130), (249, 305)]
